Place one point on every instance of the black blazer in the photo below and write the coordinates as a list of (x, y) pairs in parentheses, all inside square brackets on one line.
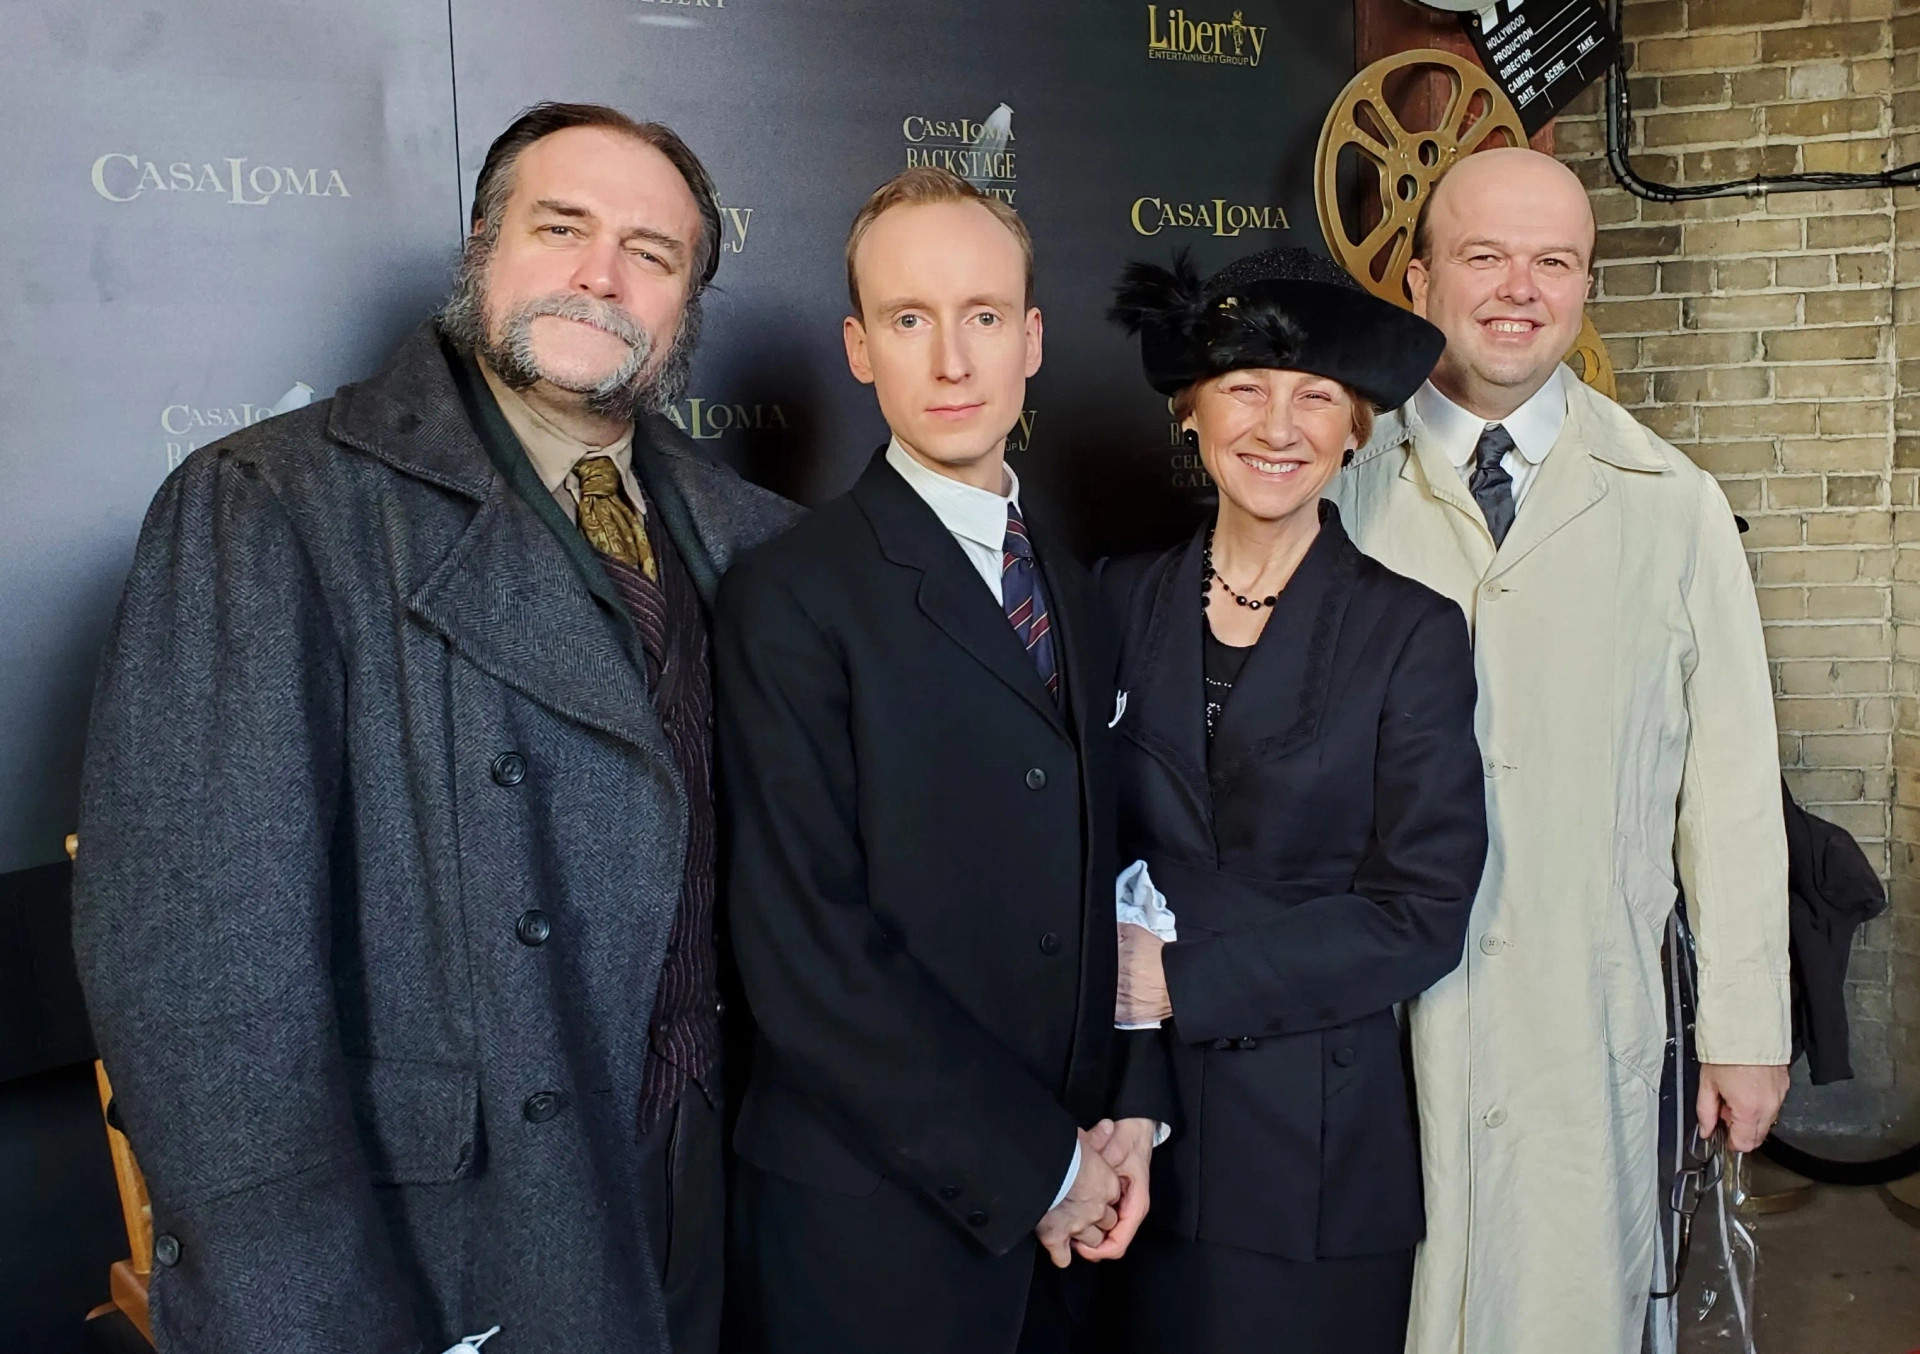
[(921, 883), (1321, 860)]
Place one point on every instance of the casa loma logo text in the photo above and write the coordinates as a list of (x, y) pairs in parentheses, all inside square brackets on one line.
[(121, 177)]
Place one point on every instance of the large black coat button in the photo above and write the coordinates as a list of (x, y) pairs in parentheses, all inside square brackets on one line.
[(1245, 1041), (1344, 1057), (533, 928), (541, 1106), (949, 1192), (1036, 779), (976, 1219), (1050, 943), (509, 768), (1222, 1045), (166, 1250)]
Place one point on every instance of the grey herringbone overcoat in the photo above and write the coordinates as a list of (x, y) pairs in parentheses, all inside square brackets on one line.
[(360, 716)]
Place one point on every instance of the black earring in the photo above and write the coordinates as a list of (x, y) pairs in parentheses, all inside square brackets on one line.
[(1191, 438), (1348, 458)]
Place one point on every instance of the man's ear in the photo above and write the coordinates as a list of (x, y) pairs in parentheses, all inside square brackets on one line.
[(1035, 331), (1417, 280), (854, 333)]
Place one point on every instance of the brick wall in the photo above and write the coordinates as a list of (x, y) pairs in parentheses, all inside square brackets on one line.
[(1777, 341)]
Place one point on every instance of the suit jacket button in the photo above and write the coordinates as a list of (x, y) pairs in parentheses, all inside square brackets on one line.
[(533, 928), (1344, 1057), (1036, 779), (541, 1106), (976, 1219), (1050, 943), (509, 768), (1222, 1045), (949, 1192), (1245, 1041), (166, 1250)]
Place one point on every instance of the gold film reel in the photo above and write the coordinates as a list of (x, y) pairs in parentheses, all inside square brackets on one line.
[(1406, 163)]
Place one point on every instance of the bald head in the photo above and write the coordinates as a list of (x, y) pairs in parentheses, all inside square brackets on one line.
[(1497, 183), (1502, 253)]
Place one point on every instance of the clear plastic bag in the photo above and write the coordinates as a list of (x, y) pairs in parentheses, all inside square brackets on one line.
[(1707, 1260)]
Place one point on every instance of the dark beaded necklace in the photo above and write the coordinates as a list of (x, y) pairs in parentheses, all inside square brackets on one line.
[(1208, 578)]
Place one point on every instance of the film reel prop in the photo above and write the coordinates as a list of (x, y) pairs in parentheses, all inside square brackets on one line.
[(1404, 164)]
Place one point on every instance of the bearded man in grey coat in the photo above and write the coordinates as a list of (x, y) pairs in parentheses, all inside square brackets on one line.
[(394, 903)]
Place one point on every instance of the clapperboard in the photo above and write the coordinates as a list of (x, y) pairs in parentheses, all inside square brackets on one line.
[(1542, 52)]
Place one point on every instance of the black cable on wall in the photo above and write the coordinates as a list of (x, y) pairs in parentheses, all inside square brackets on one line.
[(1620, 126)]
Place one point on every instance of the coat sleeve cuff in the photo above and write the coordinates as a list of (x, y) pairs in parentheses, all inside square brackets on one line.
[(1744, 1018)]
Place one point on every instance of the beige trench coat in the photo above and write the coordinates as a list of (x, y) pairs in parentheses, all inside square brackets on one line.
[(1626, 732)]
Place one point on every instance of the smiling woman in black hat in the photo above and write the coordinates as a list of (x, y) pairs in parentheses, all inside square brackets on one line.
[(1298, 771)]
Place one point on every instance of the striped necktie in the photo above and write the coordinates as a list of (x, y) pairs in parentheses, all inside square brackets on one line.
[(618, 535), (1026, 601)]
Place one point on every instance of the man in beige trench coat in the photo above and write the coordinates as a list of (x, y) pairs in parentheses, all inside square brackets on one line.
[(1627, 735)]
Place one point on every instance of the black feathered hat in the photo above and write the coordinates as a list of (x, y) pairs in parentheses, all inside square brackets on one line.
[(1284, 308)]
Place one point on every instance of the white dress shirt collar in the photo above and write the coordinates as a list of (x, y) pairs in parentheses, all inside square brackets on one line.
[(975, 515), (1534, 427)]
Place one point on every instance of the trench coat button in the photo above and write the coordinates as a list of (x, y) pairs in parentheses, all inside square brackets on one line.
[(1345, 1057), (1245, 1041), (166, 1250), (719, 1008), (1491, 944), (1050, 943), (1036, 779), (1222, 1045), (1496, 1117), (509, 768), (533, 928), (976, 1218), (949, 1192), (541, 1106)]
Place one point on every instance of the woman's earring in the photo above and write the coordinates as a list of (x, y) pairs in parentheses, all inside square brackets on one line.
[(1347, 459), (1192, 438)]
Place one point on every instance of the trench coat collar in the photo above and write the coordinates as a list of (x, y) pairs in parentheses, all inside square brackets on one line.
[(953, 597), (1570, 480), (509, 595), (1277, 702)]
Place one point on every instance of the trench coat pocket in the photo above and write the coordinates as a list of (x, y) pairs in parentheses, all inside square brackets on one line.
[(1636, 1025), (420, 1121)]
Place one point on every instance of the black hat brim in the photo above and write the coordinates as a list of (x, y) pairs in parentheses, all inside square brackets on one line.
[(1189, 333)]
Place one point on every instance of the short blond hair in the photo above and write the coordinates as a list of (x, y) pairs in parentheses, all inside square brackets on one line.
[(922, 186)]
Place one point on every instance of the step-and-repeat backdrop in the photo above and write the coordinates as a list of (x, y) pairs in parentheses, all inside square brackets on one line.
[(222, 210)]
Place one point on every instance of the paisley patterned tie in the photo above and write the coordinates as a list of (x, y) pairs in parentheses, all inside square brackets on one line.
[(608, 521)]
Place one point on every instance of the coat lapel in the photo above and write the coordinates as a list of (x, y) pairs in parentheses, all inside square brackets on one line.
[(951, 593), (507, 596), (1169, 695), (1567, 484), (508, 599), (1277, 703)]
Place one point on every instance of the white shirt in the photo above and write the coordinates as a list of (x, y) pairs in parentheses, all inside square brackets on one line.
[(976, 518), (1534, 427)]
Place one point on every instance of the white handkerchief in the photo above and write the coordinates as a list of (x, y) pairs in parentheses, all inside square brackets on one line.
[(471, 1345), (1137, 901)]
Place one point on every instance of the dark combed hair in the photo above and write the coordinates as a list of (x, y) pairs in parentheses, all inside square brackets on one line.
[(495, 185)]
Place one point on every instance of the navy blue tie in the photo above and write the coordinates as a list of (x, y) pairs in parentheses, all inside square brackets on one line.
[(1026, 601)]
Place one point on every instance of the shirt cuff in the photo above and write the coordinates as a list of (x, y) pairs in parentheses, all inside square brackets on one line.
[(1073, 1173)]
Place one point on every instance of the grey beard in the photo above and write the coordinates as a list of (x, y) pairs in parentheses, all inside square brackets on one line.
[(638, 386)]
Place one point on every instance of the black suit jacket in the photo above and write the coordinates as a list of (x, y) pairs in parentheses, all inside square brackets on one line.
[(921, 875), (1321, 859)]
